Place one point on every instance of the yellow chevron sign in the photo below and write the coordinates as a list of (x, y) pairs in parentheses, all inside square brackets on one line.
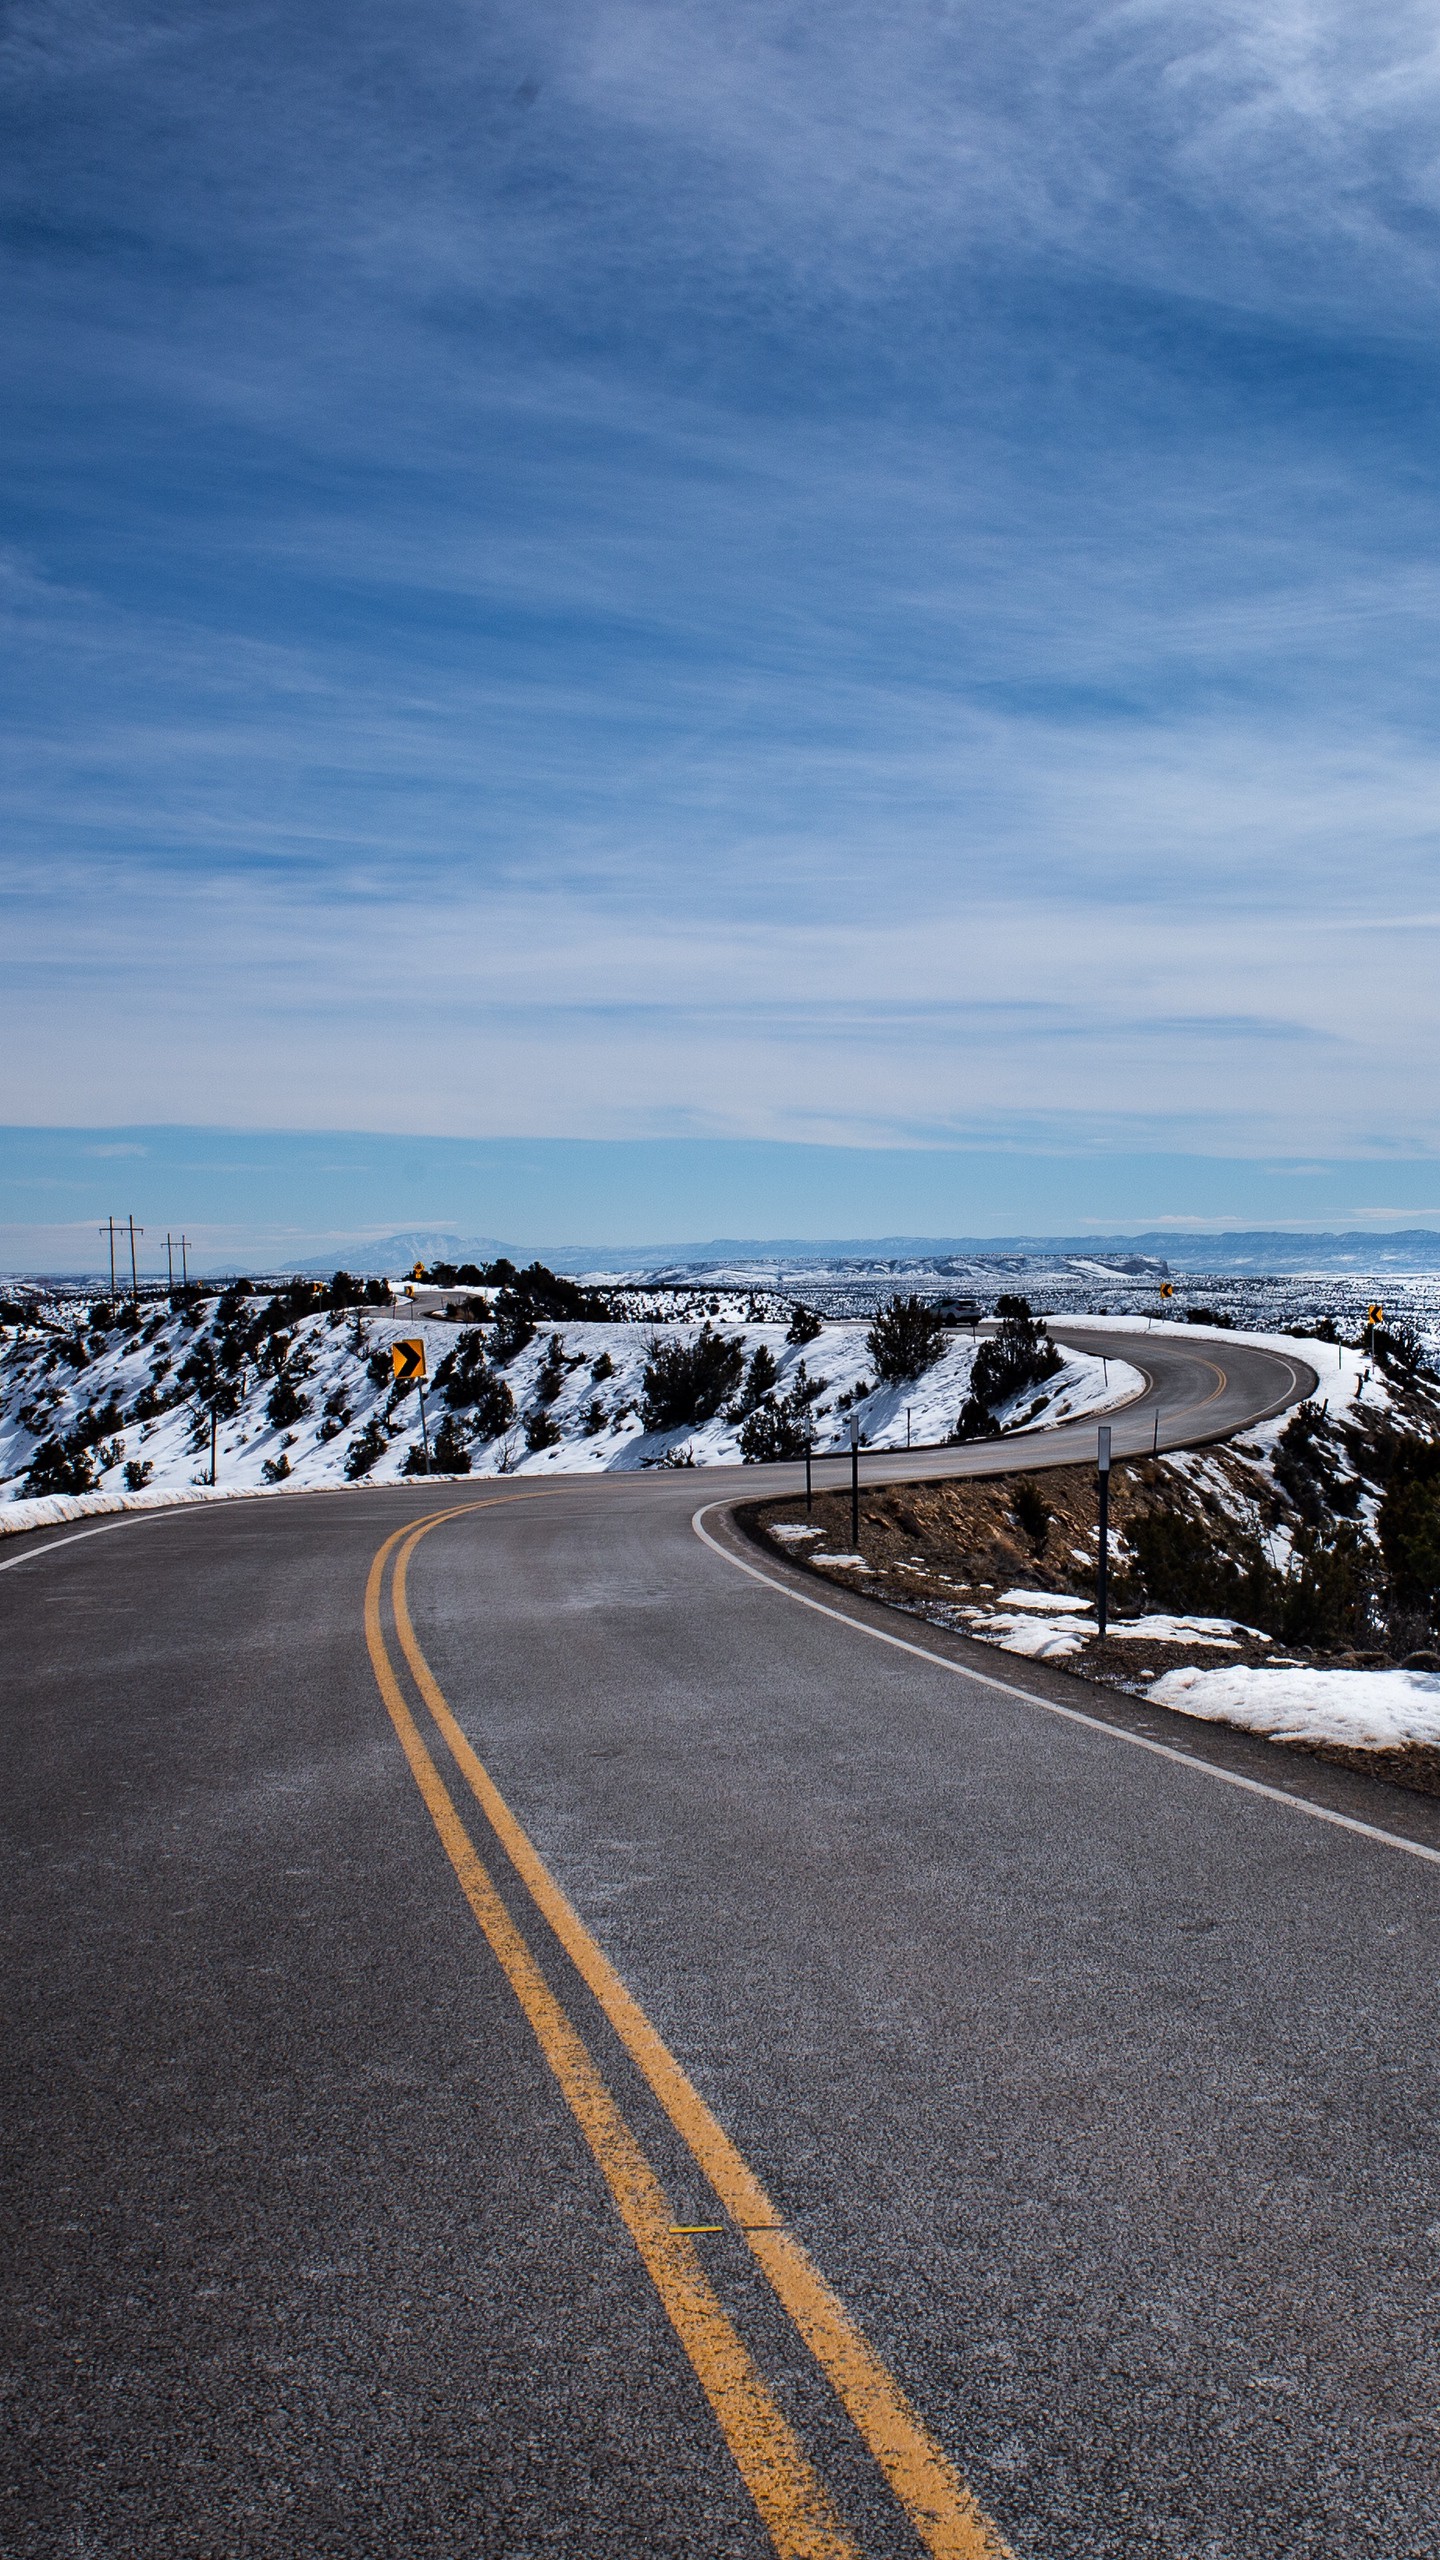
[(1374, 1315), (407, 1359)]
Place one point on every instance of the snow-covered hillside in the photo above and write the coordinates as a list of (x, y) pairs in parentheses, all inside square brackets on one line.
[(99, 1399)]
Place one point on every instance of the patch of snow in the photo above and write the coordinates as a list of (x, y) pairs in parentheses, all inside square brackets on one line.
[(1062, 1600), (794, 1529), (1050, 1637), (1158, 1628), (1374, 1710), (856, 1563)]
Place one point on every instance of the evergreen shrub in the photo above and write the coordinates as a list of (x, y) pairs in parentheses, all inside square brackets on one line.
[(60, 1466), (687, 1382), (906, 1338), (365, 1448)]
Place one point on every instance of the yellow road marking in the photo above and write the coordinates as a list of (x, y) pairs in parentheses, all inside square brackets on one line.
[(794, 2506), (943, 2510)]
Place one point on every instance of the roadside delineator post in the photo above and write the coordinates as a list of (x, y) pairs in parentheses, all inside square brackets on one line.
[(855, 1482), (809, 1445), (1102, 1579)]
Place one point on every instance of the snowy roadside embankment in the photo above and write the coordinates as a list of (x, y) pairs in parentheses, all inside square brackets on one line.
[(103, 1407)]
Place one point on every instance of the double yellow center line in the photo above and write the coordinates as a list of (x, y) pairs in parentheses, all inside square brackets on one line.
[(795, 2506)]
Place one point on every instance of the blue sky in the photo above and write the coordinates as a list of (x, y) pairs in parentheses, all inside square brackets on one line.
[(713, 578)]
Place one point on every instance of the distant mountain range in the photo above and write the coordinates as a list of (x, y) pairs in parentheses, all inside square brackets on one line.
[(1257, 1249)]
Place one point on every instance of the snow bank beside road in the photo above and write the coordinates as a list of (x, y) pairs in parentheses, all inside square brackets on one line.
[(1368, 1710)]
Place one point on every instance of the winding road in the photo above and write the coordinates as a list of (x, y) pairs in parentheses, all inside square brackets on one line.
[(529, 2033)]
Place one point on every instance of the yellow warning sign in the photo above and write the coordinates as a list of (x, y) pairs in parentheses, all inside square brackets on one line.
[(419, 1271), (1375, 1315), (407, 1359), (1167, 1288)]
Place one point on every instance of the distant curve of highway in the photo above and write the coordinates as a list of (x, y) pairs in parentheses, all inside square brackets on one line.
[(523, 2038)]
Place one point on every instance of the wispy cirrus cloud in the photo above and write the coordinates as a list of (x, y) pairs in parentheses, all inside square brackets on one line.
[(772, 573)]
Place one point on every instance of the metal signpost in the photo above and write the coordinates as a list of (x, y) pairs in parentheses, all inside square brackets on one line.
[(1102, 1585), (809, 1446), (855, 1482), (407, 1359)]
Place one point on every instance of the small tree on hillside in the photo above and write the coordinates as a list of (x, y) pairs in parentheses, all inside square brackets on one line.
[(451, 1448), (760, 1377), (365, 1448), (514, 1326), (550, 1377), (60, 1466), (470, 1386), (1020, 1355), (906, 1337), (687, 1382), (777, 1429)]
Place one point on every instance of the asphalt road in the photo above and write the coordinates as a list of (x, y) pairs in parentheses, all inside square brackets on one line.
[(1194, 1392), (1091, 2094)]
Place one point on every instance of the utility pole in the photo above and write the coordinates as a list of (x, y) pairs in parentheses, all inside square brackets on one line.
[(134, 1275), (855, 1482), (1102, 1580), (184, 1265), (110, 1223), (169, 1264)]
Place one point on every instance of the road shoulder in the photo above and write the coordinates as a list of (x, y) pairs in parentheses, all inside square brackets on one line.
[(1410, 1820)]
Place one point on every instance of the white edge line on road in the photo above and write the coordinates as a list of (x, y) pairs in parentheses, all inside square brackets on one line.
[(1068, 1715), (125, 1520), (32, 1555)]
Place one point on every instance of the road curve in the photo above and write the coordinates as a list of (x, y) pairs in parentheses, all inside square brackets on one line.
[(1195, 1391), (1091, 2094)]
